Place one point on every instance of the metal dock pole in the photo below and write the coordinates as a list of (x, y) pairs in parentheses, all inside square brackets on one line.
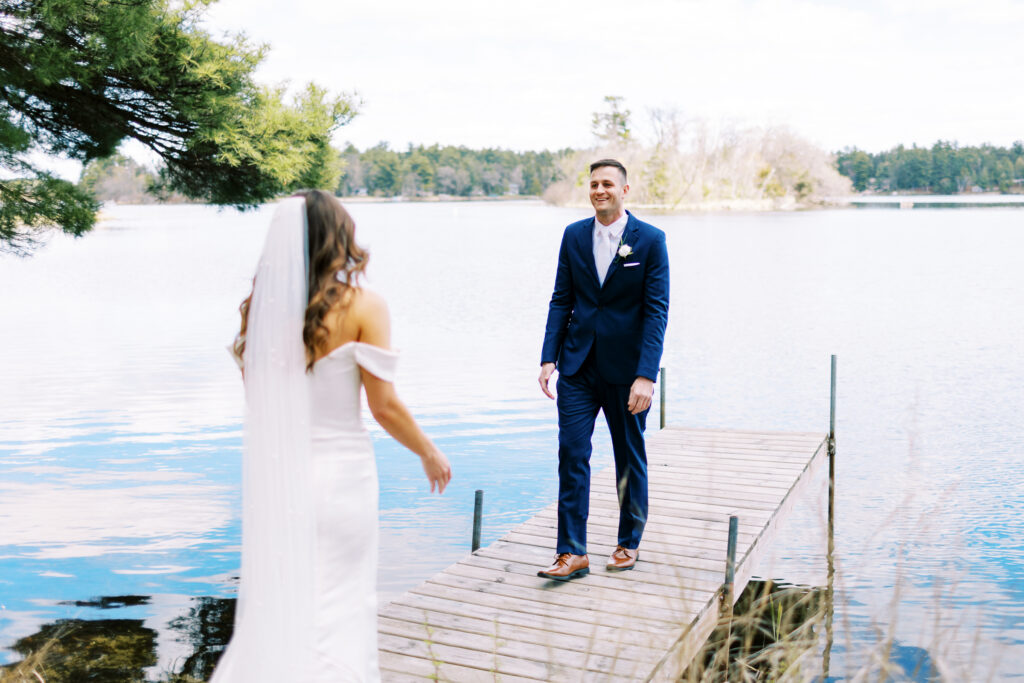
[(478, 511), (661, 403)]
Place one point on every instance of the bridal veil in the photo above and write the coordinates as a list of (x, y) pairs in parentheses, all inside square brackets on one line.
[(274, 623)]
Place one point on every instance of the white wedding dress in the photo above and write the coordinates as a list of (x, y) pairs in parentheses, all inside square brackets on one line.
[(307, 598), (345, 495)]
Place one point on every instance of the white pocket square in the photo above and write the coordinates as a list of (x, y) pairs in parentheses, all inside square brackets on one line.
[(630, 265)]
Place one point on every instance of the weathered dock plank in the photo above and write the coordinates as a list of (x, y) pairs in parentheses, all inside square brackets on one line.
[(489, 617)]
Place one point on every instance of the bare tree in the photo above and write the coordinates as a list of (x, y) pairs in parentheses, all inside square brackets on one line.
[(692, 162)]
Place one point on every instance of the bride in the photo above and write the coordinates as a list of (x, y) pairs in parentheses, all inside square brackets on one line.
[(310, 338)]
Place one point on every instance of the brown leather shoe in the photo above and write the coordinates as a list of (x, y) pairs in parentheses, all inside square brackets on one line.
[(622, 559), (566, 567)]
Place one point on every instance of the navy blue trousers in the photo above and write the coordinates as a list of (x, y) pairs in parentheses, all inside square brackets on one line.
[(580, 397)]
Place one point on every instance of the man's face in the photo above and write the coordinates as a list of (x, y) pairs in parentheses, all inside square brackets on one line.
[(607, 191)]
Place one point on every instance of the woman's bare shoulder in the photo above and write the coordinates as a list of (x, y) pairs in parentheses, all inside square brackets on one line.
[(370, 311), (367, 302)]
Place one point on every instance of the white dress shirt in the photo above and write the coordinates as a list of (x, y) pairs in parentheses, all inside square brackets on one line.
[(606, 243)]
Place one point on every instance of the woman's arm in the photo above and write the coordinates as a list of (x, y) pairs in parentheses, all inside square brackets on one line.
[(389, 411)]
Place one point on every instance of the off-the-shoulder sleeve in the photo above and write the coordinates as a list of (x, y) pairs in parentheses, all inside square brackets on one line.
[(377, 361)]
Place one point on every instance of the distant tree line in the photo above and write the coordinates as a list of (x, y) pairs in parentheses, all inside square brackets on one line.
[(946, 168), (455, 171), (376, 172), (119, 179)]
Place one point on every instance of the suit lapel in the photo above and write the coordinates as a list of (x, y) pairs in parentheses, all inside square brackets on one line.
[(585, 244), (628, 237)]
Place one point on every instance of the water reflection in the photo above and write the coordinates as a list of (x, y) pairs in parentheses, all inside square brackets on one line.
[(110, 602), (206, 630), (80, 650)]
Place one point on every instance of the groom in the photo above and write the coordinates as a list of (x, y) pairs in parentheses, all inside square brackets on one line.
[(605, 328)]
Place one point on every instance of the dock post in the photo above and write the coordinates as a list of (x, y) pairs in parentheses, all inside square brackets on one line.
[(730, 570), (478, 510), (661, 403), (832, 418), (830, 553), (832, 460)]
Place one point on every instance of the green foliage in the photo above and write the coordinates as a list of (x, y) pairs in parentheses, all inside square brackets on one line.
[(613, 125), (28, 204), (945, 168), (858, 167), (78, 77), (384, 171), (453, 171)]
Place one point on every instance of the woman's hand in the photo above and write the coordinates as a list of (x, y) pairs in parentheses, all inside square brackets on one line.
[(437, 469)]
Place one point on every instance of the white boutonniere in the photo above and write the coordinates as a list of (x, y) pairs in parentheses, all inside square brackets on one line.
[(625, 250)]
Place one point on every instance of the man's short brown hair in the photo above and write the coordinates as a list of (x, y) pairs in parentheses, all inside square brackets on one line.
[(614, 163)]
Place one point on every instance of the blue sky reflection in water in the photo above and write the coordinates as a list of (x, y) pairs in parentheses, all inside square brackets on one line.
[(121, 412)]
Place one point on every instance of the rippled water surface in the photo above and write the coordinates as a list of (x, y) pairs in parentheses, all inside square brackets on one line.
[(120, 410)]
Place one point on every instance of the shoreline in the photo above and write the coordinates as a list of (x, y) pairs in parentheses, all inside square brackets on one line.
[(771, 205), (907, 201), (427, 199)]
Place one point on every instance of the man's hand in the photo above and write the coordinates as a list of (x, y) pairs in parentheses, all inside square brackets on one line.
[(545, 374), (640, 395)]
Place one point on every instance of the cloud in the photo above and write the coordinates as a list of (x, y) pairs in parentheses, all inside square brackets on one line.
[(62, 520)]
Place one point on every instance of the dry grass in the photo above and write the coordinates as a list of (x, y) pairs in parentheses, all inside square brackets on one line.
[(772, 636)]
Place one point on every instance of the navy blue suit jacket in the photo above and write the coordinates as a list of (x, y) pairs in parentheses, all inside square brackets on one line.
[(623, 320)]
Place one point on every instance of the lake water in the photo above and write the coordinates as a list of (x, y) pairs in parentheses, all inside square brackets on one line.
[(120, 410)]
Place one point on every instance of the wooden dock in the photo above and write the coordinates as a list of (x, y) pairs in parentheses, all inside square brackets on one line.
[(489, 617)]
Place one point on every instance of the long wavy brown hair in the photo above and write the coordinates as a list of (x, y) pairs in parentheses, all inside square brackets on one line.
[(336, 263)]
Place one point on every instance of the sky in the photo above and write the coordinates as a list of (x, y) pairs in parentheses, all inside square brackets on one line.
[(529, 75)]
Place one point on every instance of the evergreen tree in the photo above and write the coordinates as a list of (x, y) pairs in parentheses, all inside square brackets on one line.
[(383, 171), (78, 77), (944, 168), (454, 171)]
